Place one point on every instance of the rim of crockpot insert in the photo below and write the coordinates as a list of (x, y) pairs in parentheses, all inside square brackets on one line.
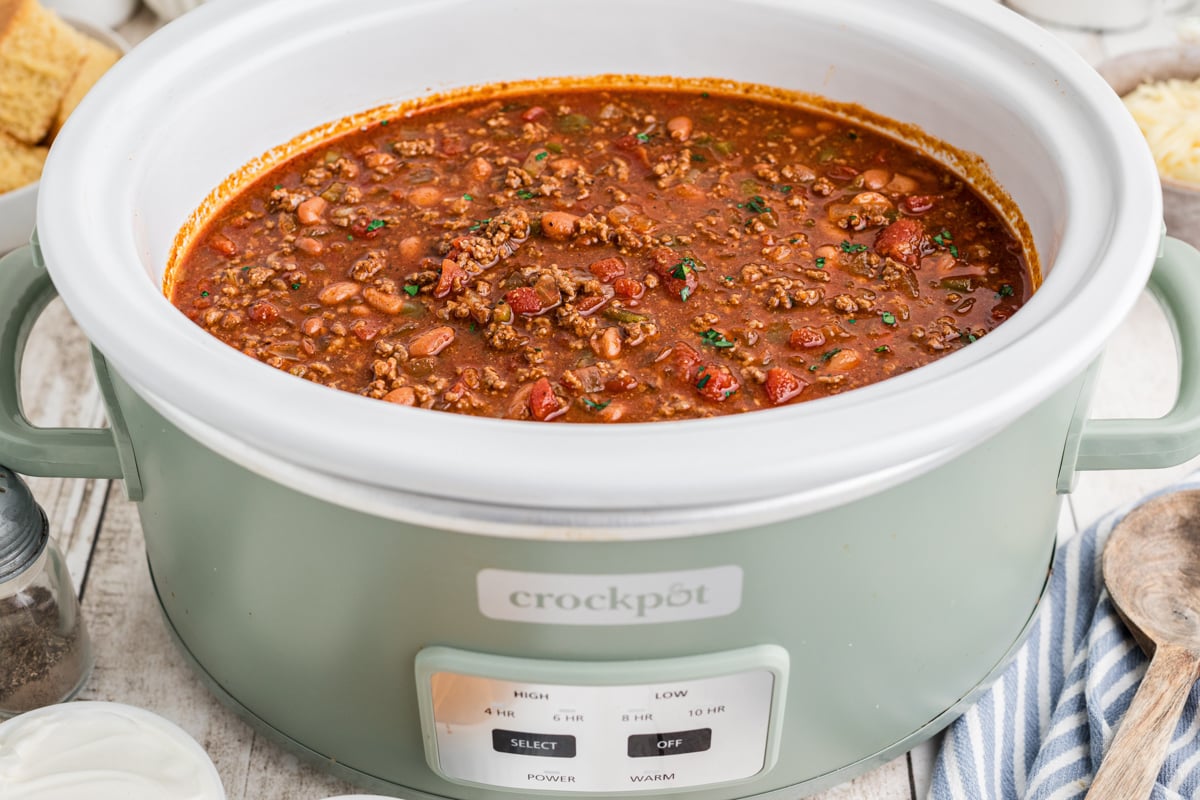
[(1106, 249)]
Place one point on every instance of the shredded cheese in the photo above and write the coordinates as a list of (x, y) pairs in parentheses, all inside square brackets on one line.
[(1168, 112)]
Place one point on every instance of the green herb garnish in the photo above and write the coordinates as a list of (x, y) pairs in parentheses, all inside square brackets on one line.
[(888, 318), (830, 354), (703, 379), (278, 186), (594, 406), (541, 156), (295, 286), (853, 248), (821, 262), (954, 250), (681, 270), (883, 348), (643, 137), (942, 238), (525, 194), (755, 205), (684, 294), (715, 339), (204, 294), (1006, 291), (375, 225), (468, 197), (479, 224), (697, 157), (411, 289)]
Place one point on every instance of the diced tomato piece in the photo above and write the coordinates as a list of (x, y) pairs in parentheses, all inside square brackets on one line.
[(684, 361), (451, 279), (629, 288), (903, 240), (533, 113), (716, 383), (263, 312), (365, 329), (670, 266), (918, 203), (543, 402), (587, 305), (806, 337), (363, 228), (608, 268), (633, 145), (782, 385), (524, 300)]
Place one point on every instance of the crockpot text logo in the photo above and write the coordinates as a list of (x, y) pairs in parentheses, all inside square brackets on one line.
[(634, 599)]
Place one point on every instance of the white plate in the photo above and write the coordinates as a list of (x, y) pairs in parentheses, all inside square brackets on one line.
[(103, 751)]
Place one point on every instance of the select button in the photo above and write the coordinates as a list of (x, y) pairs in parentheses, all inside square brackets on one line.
[(643, 745), (533, 744)]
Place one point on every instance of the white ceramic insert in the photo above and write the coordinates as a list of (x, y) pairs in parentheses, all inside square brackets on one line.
[(224, 85)]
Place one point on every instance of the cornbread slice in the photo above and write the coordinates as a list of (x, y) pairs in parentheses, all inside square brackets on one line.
[(97, 59), (20, 163), (39, 57)]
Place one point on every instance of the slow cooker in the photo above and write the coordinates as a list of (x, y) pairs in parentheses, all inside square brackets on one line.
[(451, 607)]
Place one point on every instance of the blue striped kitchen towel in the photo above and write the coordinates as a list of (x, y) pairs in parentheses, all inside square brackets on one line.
[(1038, 733)]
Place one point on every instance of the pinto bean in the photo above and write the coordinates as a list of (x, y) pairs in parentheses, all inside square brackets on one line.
[(680, 128), (901, 184), (411, 248), (222, 244), (479, 169), (425, 196), (876, 179), (337, 293), (312, 210), (608, 343), (558, 225), (382, 301), (404, 396), (844, 361), (309, 245), (431, 342)]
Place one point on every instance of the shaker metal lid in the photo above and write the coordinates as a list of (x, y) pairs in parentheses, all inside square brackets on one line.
[(24, 531)]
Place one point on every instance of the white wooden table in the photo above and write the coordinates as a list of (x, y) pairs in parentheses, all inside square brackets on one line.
[(136, 662)]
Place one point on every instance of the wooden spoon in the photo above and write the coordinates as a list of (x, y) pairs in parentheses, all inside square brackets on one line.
[(1152, 570)]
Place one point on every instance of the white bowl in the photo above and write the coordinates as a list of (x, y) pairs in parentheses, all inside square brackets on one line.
[(1181, 200), (18, 207), (103, 751)]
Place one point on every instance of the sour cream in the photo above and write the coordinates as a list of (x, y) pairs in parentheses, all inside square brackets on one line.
[(102, 751)]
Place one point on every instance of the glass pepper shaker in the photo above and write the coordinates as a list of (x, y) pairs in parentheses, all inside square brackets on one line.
[(45, 654)]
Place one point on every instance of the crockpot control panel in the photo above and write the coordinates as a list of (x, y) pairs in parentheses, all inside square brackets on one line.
[(629, 726)]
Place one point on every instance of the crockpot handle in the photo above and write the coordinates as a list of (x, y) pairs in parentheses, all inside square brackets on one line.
[(1174, 438), (25, 290)]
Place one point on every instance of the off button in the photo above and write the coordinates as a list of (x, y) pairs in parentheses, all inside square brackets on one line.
[(643, 745), (533, 744)]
